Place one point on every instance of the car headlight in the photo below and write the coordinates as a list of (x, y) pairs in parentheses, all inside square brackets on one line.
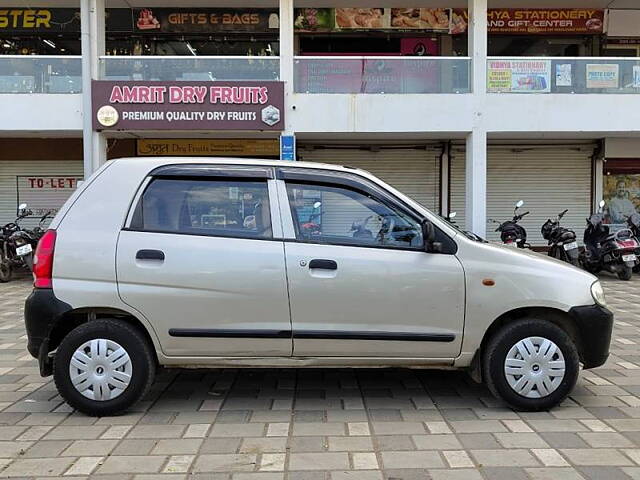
[(597, 292)]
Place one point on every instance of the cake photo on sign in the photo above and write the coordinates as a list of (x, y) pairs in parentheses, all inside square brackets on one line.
[(360, 17), (146, 20)]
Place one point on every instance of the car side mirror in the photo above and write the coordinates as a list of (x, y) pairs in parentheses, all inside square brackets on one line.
[(429, 238)]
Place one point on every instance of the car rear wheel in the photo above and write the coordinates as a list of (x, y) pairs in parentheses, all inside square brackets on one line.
[(103, 367), (531, 364)]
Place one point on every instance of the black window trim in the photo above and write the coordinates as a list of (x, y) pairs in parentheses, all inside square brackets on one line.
[(364, 186), (149, 180), (212, 170)]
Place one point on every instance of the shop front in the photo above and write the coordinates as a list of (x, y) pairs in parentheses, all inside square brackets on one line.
[(621, 180), (144, 31), (43, 173), (548, 176)]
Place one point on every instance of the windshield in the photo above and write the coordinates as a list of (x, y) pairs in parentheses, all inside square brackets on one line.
[(469, 235)]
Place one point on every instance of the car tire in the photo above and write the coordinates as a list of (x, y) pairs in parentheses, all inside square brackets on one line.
[(110, 361), (540, 386)]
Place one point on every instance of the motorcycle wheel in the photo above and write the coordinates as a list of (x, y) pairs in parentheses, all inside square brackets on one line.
[(626, 273), (575, 262), (636, 269), (5, 271)]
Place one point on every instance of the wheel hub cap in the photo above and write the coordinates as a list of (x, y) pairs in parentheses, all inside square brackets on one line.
[(100, 369), (534, 367)]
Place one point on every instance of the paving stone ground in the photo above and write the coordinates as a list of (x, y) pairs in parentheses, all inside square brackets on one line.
[(329, 424)]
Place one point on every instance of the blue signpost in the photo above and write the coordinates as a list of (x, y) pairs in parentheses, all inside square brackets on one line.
[(287, 147)]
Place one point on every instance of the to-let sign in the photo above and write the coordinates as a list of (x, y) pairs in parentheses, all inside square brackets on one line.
[(188, 105)]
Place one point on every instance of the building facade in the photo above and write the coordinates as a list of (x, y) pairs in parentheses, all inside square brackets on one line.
[(467, 106)]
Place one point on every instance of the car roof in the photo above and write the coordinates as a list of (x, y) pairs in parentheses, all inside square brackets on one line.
[(160, 161)]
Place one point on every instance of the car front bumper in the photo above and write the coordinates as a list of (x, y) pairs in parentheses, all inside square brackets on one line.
[(595, 324)]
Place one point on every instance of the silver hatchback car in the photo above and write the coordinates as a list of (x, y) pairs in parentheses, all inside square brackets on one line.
[(226, 262)]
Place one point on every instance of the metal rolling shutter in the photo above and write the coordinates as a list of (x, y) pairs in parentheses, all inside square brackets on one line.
[(413, 171), (10, 170), (548, 179)]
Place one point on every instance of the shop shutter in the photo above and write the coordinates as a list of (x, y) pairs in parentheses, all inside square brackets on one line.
[(14, 179), (413, 171), (548, 179)]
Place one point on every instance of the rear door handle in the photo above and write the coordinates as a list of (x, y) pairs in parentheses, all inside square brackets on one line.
[(323, 264), (150, 255)]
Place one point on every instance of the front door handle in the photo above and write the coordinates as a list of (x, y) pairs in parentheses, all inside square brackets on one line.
[(323, 264), (150, 255)]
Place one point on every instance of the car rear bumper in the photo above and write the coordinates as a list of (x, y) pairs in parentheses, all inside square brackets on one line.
[(595, 324), (41, 312)]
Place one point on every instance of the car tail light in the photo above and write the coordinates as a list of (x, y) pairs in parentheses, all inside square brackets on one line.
[(43, 260)]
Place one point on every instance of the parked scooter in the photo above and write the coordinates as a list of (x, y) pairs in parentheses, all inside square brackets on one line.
[(512, 234), (17, 246), (634, 225), (613, 252), (562, 241)]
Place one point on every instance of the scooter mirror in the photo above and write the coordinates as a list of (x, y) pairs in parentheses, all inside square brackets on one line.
[(520, 204), (317, 205), (23, 206), (453, 215), (602, 203)]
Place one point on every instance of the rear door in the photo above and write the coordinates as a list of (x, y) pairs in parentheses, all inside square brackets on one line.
[(202, 259)]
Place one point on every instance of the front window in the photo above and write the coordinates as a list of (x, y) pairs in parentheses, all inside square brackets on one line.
[(342, 216)]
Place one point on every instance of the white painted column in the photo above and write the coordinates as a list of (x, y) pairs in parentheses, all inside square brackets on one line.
[(476, 158), (598, 181), (92, 15), (286, 60)]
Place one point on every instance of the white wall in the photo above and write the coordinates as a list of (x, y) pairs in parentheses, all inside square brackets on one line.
[(40, 113)]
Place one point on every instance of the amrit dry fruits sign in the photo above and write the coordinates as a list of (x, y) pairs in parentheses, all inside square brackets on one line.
[(138, 105)]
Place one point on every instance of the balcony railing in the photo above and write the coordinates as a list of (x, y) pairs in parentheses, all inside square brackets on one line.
[(578, 75), (381, 75), (40, 74), (171, 68)]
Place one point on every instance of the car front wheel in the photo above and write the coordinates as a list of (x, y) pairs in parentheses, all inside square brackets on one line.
[(531, 364), (103, 367)]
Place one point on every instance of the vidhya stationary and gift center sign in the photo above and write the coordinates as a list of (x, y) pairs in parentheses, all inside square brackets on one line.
[(138, 105)]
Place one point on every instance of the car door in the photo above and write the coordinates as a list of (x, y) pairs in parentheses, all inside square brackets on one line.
[(360, 282), (202, 258)]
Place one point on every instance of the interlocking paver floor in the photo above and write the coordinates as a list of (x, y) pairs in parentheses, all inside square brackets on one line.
[(338, 424)]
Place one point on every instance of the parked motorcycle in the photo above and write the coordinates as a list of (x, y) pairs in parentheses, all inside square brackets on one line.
[(612, 252), (512, 234), (634, 225), (17, 246), (562, 241)]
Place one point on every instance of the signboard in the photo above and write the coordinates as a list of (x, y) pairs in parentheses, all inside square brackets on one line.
[(204, 20), (43, 193), (155, 105), (519, 76), (580, 21), (59, 20), (327, 19), (542, 21), (214, 147), (622, 197), (602, 75), (287, 147)]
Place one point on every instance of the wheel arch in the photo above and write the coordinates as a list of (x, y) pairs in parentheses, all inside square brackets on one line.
[(73, 318), (558, 317)]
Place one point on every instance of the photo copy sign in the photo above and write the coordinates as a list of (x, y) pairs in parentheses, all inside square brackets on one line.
[(139, 105)]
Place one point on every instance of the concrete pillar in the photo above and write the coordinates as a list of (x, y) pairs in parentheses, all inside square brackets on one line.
[(476, 183), (286, 59), (92, 15), (476, 159), (598, 181)]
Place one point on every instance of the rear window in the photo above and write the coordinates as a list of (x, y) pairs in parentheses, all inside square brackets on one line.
[(220, 207)]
